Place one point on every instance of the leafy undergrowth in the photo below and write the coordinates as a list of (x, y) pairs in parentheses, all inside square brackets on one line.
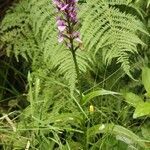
[(40, 103)]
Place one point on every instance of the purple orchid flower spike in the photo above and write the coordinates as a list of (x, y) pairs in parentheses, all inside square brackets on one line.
[(66, 21), (66, 24)]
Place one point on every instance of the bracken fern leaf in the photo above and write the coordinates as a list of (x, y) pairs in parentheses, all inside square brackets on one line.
[(108, 30)]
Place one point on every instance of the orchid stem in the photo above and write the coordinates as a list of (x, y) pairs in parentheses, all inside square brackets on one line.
[(77, 71), (73, 51), (66, 23)]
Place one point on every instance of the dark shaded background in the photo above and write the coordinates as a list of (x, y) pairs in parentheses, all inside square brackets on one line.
[(4, 5)]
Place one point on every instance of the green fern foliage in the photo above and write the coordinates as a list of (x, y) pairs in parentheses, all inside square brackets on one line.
[(108, 30), (33, 34), (29, 30)]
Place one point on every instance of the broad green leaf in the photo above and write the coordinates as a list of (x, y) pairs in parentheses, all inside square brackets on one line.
[(146, 79), (129, 1), (110, 144), (74, 117), (133, 99), (120, 132), (142, 109), (146, 131), (148, 3), (94, 94)]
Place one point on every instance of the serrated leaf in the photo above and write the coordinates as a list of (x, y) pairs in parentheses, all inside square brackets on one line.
[(146, 79), (142, 109), (132, 99)]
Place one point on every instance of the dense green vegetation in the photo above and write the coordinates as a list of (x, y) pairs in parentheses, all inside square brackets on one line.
[(46, 104)]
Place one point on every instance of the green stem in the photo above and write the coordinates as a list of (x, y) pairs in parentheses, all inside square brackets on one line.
[(77, 72), (73, 51)]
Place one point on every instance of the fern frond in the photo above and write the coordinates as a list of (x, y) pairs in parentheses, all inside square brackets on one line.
[(33, 34), (106, 28)]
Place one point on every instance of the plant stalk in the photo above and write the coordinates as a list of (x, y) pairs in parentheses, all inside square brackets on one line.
[(73, 51), (77, 72)]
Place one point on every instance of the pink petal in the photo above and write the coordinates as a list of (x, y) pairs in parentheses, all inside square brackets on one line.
[(64, 7), (61, 28), (78, 40), (60, 39)]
